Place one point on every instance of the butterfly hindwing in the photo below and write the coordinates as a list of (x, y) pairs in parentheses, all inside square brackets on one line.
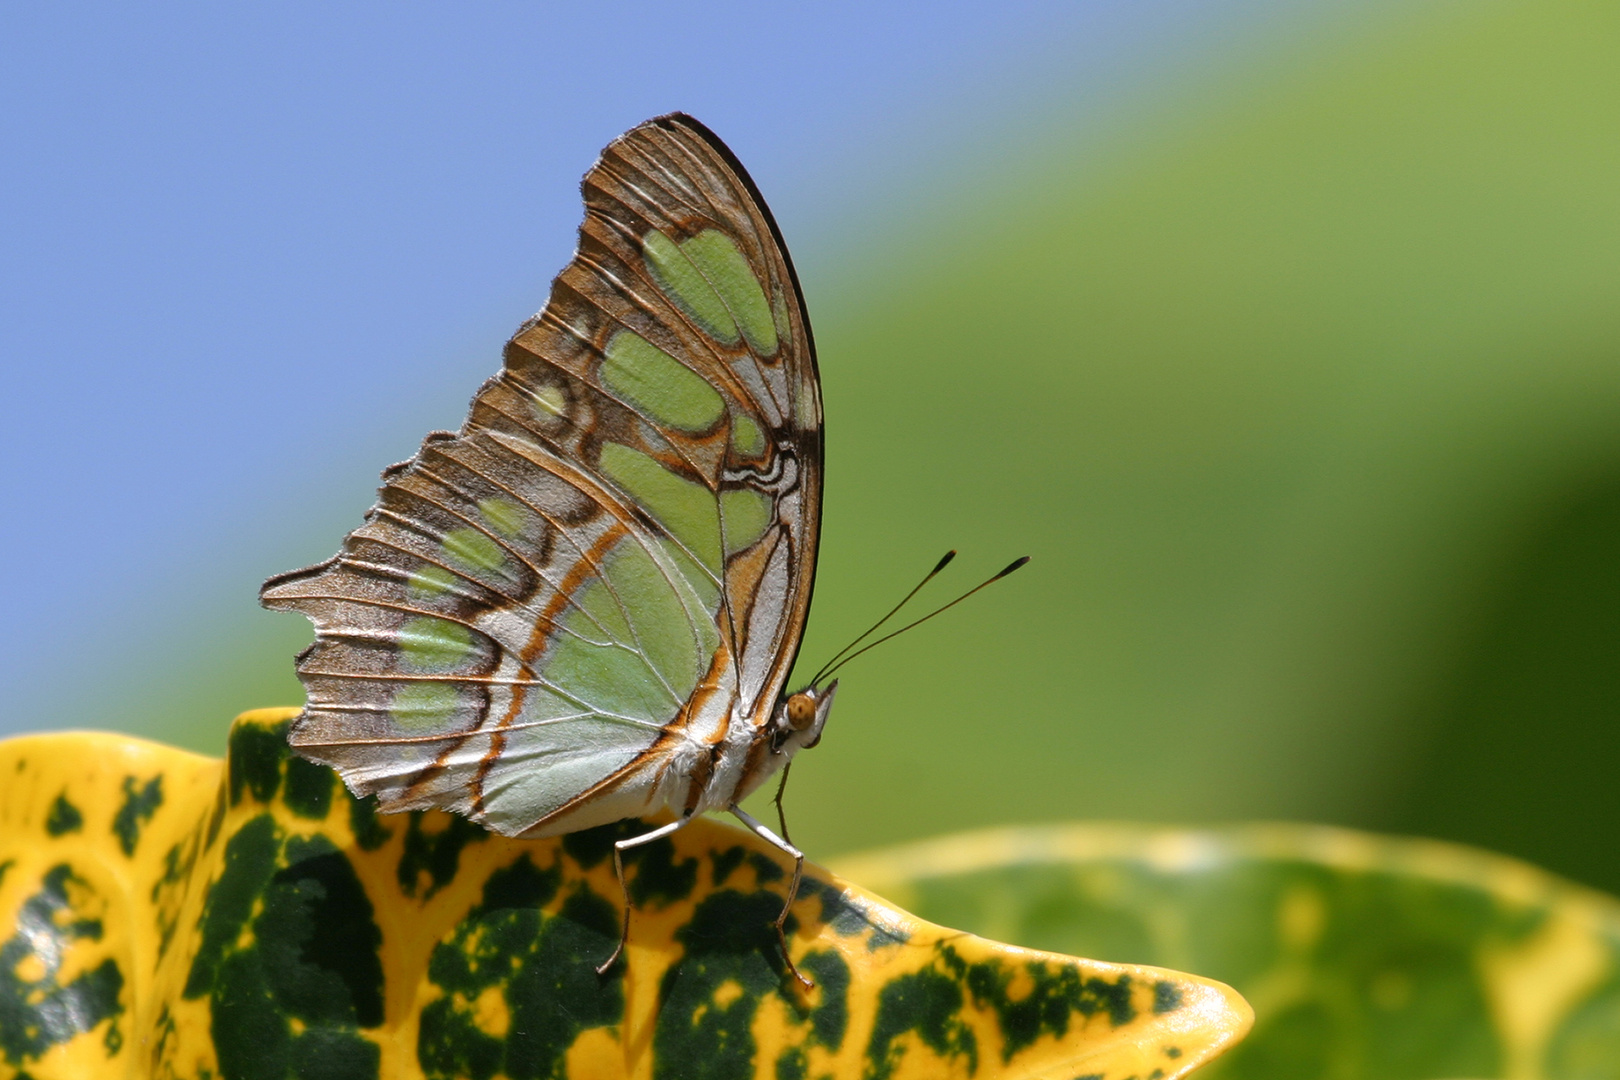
[(546, 612)]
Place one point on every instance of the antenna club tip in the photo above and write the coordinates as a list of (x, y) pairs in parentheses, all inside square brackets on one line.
[(944, 561), (1014, 565)]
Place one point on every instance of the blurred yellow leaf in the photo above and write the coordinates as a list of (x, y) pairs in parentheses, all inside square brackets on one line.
[(1366, 957)]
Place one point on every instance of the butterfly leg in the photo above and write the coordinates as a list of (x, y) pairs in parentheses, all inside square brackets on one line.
[(781, 815), (793, 889), (619, 848)]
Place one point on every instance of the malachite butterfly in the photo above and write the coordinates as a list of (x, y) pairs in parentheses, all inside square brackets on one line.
[(584, 605)]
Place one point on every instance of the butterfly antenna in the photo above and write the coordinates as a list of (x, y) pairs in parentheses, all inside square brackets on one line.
[(944, 561), (1014, 565)]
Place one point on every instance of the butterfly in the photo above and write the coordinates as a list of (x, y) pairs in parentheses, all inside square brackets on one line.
[(584, 606)]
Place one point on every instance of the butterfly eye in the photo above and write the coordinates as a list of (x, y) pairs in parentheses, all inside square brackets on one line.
[(801, 710)]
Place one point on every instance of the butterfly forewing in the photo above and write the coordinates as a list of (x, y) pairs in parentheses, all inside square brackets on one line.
[(548, 616)]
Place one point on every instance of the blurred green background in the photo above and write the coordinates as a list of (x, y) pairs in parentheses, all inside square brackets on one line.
[(1310, 416), (1301, 383)]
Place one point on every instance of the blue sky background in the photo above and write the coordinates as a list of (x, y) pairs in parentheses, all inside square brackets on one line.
[(251, 253), (1284, 336)]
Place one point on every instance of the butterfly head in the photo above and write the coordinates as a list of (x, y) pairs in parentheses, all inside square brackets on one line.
[(800, 717)]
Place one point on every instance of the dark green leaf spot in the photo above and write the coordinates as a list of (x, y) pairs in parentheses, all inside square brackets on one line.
[(1166, 996), (658, 877), (325, 1054), (437, 855), (521, 885), (37, 1014), (288, 996), (254, 760), (929, 1004), (250, 860), (215, 820), (449, 1045), (309, 788), (536, 961), (590, 846), (792, 1064), (369, 832), (724, 862), (319, 939), (830, 1019), (1056, 994), (710, 995), (766, 869), (848, 917), (140, 803), (64, 817)]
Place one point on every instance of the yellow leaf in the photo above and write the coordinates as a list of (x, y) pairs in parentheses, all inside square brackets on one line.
[(165, 914)]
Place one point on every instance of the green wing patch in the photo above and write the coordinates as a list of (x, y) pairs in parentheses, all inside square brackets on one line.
[(268, 925)]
